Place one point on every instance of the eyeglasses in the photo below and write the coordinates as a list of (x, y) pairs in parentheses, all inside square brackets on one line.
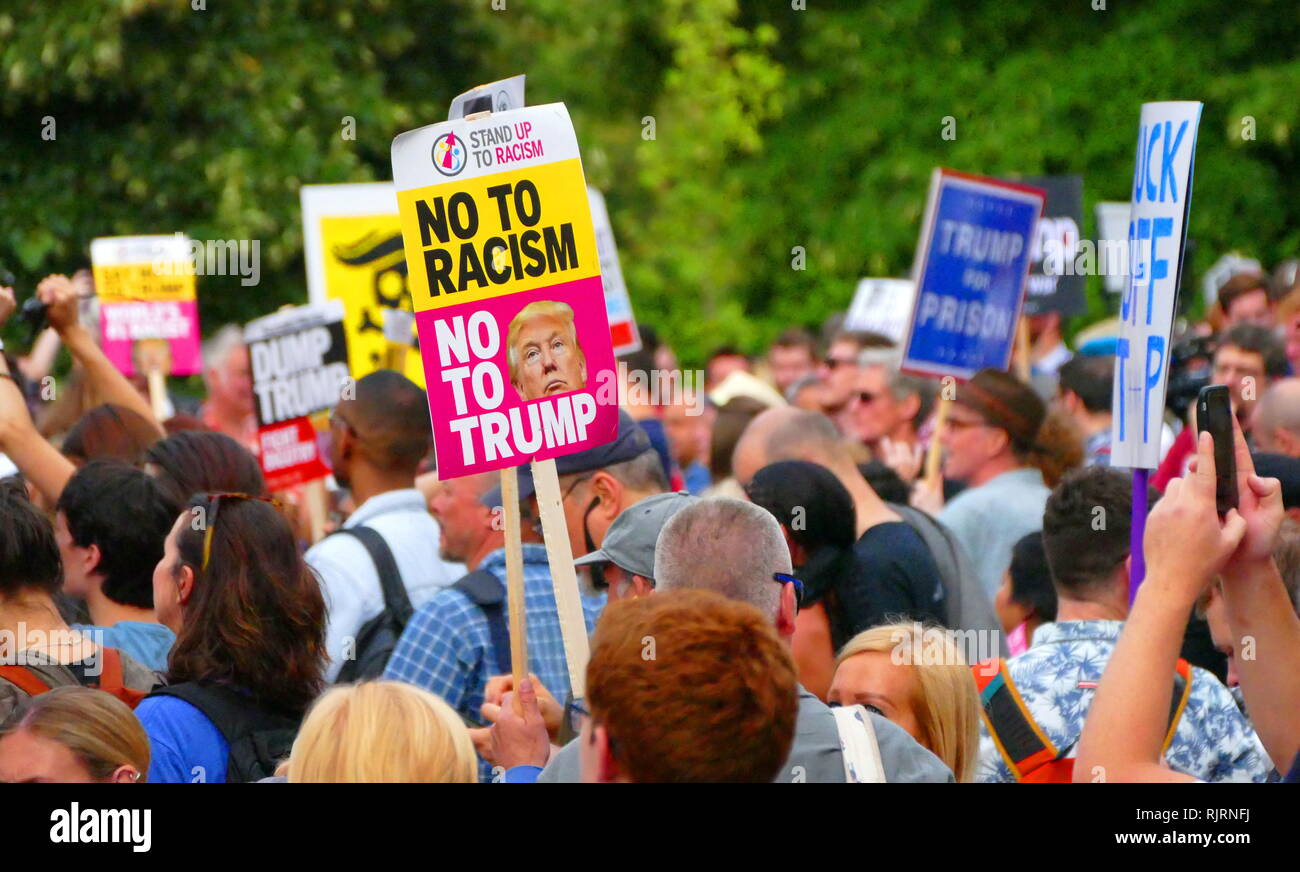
[(783, 578), (214, 501), (574, 484)]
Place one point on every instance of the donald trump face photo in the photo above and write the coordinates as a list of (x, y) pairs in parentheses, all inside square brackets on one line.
[(543, 351)]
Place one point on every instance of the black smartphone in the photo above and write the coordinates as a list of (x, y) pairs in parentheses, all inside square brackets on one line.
[(1214, 415)]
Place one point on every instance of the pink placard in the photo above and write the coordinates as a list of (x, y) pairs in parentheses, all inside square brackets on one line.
[(557, 399), (121, 325)]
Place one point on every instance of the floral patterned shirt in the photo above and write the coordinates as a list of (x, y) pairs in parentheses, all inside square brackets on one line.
[(1058, 676)]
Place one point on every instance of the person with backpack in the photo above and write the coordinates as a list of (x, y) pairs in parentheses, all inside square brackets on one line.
[(460, 637), (1034, 705), (249, 656), (38, 650), (384, 563)]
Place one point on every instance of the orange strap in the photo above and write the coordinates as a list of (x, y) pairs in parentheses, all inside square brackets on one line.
[(110, 676), (24, 679)]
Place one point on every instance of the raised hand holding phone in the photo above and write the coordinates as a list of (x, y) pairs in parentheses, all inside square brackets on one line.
[(1214, 416)]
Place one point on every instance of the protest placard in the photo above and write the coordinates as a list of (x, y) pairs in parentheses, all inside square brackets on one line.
[(618, 306), (1055, 285), (299, 360), (882, 306), (972, 261), (505, 282), (1162, 191), (148, 315), (510, 312), (499, 96), (352, 244)]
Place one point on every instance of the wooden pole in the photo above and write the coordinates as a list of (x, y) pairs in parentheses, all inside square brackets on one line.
[(935, 454), (158, 393), (1022, 349), (568, 604), (317, 508), (515, 580)]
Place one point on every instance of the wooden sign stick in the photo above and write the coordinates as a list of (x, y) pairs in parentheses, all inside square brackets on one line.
[(1022, 352), (317, 508), (555, 530), (935, 453), (158, 393), (515, 580)]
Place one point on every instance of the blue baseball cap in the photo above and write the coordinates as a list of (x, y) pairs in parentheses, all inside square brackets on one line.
[(631, 442)]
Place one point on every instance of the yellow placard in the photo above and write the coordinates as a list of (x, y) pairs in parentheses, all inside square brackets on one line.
[(145, 282), (482, 238), (364, 267)]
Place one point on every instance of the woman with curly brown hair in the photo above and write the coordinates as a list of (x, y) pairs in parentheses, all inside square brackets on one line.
[(249, 656)]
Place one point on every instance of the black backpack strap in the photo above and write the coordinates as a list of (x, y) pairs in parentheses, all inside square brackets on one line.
[(240, 720), (487, 592), (396, 600)]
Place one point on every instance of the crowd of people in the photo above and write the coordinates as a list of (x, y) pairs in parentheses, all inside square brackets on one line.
[(777, 582)]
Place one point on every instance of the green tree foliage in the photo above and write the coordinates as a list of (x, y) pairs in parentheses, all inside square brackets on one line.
[(774, 126)]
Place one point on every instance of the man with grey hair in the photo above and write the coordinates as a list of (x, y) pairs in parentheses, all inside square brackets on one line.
[(737, 549), (227, 375), (886, 402), (1275, 424)]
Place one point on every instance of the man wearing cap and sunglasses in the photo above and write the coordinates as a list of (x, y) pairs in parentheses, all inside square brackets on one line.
[(458, 639)]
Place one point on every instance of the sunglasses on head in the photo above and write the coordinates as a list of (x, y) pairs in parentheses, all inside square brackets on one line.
[(214, 502)]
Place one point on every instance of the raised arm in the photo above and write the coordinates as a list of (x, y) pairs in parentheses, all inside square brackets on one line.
[(1185, 546), (38, 460), (1262, 619), (107, 384)]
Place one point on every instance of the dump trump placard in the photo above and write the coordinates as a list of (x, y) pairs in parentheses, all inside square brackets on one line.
[(1157, 229), (505, 280), (972, 262), (352, 244), (149, 310), (299, 360)]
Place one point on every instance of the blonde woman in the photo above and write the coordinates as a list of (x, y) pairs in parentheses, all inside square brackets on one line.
[(73, 735), (381, 731), (916, 677)]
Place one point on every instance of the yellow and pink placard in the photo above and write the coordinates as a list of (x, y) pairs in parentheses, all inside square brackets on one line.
[(149, 308), (505, 282)]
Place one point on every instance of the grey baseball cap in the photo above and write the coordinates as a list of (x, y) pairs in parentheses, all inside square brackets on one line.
[(630, 541)]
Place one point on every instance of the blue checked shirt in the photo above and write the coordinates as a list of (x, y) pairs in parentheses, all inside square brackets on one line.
[(1057, 678), (446, 647)]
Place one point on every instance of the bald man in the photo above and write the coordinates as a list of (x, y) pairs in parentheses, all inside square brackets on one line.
[(377, 440), (1275, 421)]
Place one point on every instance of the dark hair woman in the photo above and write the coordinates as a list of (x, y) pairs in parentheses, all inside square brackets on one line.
[(249, 656), (203, 461)]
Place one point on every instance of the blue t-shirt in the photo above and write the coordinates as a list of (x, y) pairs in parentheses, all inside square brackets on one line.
[(184, 746), (146, 642)]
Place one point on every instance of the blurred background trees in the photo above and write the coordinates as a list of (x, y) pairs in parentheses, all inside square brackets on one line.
[(773, 127)]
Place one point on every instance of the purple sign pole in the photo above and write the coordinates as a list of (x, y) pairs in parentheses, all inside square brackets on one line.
[(1138, 566)]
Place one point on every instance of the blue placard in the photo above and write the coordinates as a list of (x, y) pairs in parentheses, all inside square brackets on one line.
[(972, 263)]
